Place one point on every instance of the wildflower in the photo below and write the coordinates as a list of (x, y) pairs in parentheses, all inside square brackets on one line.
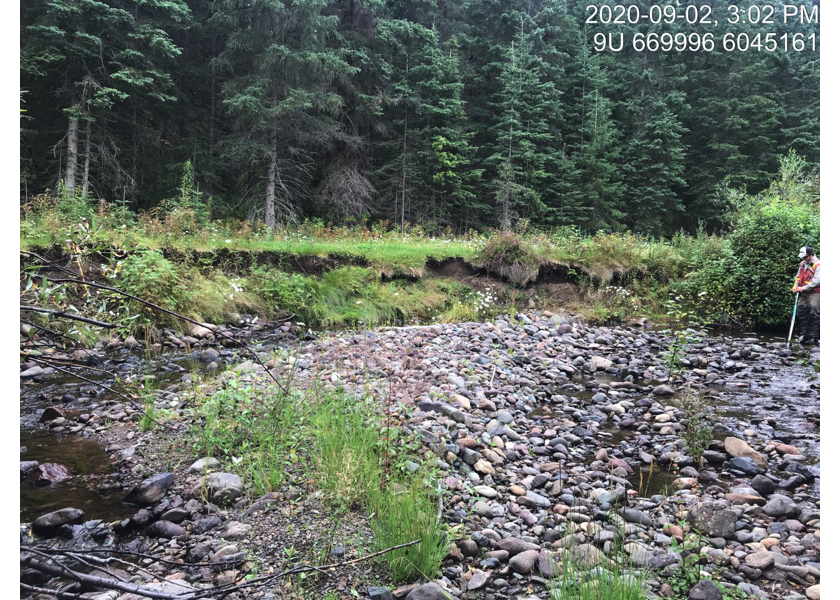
[(227, 241)]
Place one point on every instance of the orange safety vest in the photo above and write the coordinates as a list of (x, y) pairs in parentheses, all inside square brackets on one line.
[(805, 274)]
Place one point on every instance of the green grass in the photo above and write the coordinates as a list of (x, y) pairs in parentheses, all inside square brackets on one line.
[(601, 578), (339, 444)]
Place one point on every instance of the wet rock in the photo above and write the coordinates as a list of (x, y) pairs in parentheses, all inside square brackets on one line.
[(48, 523), (27, 465), (165, 529), (48, 473)]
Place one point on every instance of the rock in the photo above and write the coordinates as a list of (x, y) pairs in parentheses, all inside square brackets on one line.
[(165, 529), (32, 372), (739, 448), (27, 465), (663, 390), (705, 590), (712, 520), (640, 555), (478, 580), (760, 560), (745, 499), (547, 565), (780, 506), (482, 466), (586, 555), (428, 591), (50, 413), (224, 487), (486, 491), (600, 363), (745, 464), (176, 515), (203, 465), (763, 485), (47, 473), (150, 490), (229, 553), (380, 593), (468, 547), (236, 531), (523, 563), (46, 524), (813, 592), (198, 331), (516, 546), (633, 515)]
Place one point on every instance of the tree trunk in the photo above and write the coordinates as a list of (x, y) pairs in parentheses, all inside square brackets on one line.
[(271, 181), (86, 174), (72, 156)]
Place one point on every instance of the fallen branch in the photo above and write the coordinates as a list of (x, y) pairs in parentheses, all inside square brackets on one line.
[(223, 590), (31, 561), (59, 313)]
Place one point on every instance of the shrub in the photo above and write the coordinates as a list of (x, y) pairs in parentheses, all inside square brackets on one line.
[(149, 276)]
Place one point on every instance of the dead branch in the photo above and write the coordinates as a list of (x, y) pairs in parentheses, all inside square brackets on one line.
[(61, 570), (59, 313), (44, 566)]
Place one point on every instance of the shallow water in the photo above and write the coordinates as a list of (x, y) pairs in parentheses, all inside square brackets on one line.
[(87, 462)]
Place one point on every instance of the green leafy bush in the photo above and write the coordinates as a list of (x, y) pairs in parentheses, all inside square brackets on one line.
[(151, 277), (748, 279)]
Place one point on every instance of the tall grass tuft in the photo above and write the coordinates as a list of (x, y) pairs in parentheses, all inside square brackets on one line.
[(347, 460), (403, 513), (599, 579)]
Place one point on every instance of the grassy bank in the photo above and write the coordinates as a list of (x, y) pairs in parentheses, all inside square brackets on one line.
[(371, 274)]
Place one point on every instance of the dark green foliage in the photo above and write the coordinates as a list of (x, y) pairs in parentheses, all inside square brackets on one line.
[(453, 114), (749, 281)]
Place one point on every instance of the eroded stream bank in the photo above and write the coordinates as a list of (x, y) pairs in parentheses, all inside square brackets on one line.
[(540, 426)]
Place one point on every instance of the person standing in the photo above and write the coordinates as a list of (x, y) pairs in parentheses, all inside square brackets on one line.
[(808, 306)]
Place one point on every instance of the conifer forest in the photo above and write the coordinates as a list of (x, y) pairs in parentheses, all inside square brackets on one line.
[(460, 114)]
